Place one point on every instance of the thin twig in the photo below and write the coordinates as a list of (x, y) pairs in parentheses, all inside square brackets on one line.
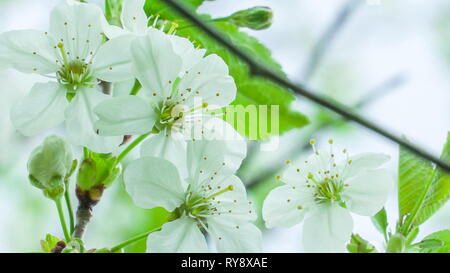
[(327, 38), (259, 70)]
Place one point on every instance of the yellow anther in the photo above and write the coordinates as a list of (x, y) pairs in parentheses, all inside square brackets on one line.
[(299, 207), (312, 141), (330, 141), (288, 162)]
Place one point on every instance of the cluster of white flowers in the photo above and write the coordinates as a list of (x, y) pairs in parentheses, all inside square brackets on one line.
[(187, 165)]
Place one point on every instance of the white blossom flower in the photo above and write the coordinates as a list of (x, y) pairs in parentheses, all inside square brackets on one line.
[(179, 89), (72, 53), (322, 192), (135, 23), (211, 199)]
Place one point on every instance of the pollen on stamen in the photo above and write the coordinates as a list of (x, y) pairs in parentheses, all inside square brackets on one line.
[(278, 177), (299, 207), (288, 161)]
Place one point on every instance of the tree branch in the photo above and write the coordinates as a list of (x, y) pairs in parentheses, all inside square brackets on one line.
[(257, 69)]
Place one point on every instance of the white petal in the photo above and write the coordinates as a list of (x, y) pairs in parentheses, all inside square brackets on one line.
[(80, 120), (205, 160), (286, 206), (327, 229), (28, 51), (133, 16), (78, 26), (361, 162), (212, 128), (126, 115), (154, 182), (156, 65), (208, 81), (297, 172), (186, 49), (42, 109), (229, 237), (113, 60), (112, 31), (122, 88), (367, 192), (168, 146), (232, 204), (179, 236)]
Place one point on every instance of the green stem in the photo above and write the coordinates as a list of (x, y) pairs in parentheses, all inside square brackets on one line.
[(86, 153), (62, 219), (70, 211), (133, 240), (132, 145)]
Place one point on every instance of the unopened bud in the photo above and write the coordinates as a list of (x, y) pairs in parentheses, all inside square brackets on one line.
[(256, 18), (49, 164), (95, 174)]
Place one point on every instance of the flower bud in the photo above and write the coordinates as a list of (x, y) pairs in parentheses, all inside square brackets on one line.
[(256, 18), (49, 164), (96, 173)]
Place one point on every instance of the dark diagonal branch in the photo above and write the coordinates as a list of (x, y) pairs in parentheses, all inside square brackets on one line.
[(260, 70)]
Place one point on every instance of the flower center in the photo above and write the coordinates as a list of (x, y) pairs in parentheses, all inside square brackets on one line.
[(176, 113), (328, 189), (327, 180), (74, 73), (202, 206)]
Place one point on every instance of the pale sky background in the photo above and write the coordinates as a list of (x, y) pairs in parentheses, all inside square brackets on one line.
[(378, 42)]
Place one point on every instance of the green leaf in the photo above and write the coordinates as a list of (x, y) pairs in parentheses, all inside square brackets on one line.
[(359, 245), (439, 192), (154, 7), (423, 189), (438, 242), (414, 176), (251, 91), (380, 222), (49, 243)]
